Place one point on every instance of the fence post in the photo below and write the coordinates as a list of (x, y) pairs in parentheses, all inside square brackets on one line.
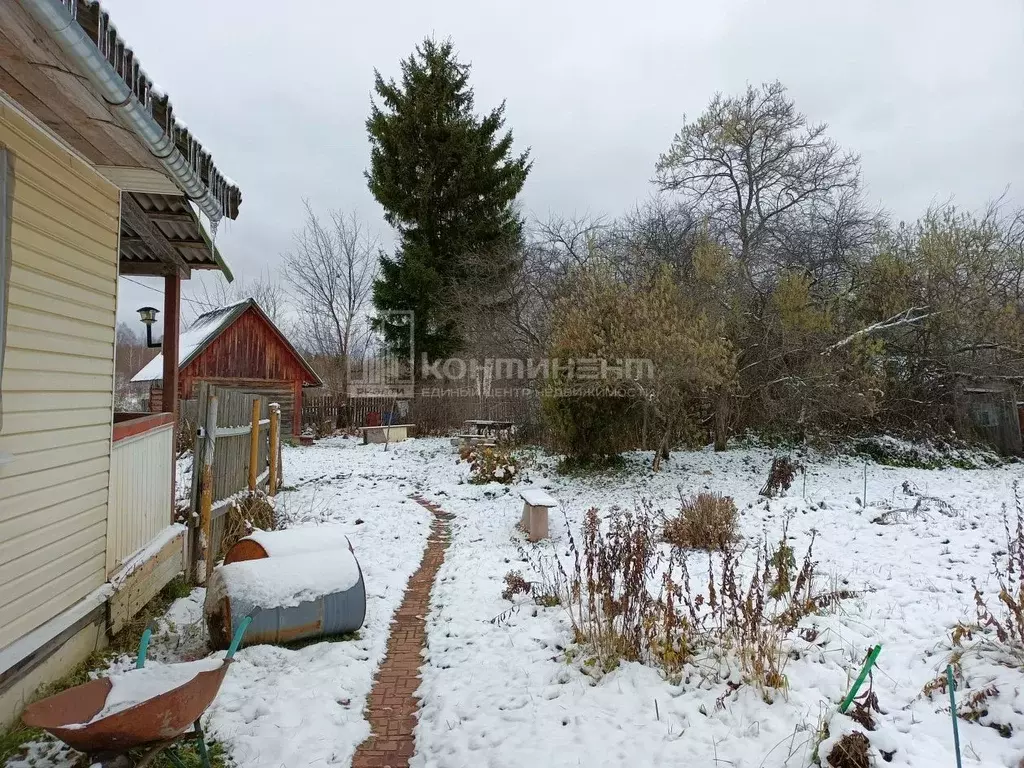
[(254, 445), (275, 442), (206, 496)]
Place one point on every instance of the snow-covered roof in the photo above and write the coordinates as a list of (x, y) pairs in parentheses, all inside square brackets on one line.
[(192, 341), (204, 330)]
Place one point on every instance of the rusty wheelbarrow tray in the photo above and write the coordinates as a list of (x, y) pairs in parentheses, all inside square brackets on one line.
[(150, 726)]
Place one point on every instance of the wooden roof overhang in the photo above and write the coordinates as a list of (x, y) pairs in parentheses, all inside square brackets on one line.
[(161, 231)]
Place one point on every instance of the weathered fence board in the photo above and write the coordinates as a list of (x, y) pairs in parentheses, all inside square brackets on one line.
[(327, 411), (222, 458)]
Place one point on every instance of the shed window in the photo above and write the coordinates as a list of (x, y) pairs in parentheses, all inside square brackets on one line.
[(6, 205)]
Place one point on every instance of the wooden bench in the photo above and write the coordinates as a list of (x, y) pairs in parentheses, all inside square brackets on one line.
[(536, 504), (394, 433)]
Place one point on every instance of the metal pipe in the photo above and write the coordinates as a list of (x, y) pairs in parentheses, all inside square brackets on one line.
[(59, 22)]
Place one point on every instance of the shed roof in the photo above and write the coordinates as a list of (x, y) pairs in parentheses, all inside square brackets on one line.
[(208, 327)]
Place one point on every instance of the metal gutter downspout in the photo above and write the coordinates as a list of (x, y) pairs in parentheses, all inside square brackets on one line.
[(58, 21)]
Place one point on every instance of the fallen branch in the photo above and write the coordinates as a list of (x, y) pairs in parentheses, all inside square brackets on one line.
[(907, 317)]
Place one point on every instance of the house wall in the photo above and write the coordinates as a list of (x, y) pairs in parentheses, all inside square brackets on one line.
[(57, 381), (249, 354), (141, 503)]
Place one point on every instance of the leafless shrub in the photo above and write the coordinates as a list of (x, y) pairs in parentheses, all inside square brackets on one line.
[(705, 521), (543, 591)]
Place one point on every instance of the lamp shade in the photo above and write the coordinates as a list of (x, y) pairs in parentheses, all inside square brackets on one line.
[(148, 314)]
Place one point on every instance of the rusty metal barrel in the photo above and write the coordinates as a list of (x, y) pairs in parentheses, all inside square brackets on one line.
[(290, 541), (294, 597)]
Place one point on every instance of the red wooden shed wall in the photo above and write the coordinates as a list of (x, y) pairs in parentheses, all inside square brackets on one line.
[(250, 353)]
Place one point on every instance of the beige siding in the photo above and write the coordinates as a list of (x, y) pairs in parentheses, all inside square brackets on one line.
[(140, 492), (57, 380)]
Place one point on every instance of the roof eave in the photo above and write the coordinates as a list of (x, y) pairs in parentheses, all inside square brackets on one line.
[(84, 32)]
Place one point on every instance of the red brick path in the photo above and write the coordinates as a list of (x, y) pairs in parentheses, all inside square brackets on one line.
[(392, 706)]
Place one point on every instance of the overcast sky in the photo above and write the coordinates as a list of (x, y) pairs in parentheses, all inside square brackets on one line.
[(931, 94)]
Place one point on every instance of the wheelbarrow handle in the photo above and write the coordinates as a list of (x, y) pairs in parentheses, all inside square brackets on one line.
[(243, 625), (147, 634)]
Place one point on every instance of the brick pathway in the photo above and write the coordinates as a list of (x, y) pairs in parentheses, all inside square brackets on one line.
[(392, 705)]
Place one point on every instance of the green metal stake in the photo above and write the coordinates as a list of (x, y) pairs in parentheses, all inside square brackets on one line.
[(952, 707), (872, 657)]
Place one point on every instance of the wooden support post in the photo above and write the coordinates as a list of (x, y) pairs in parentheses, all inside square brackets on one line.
[(206, 519), (275, 444), (206, 494), (172, 313), (254, 445)]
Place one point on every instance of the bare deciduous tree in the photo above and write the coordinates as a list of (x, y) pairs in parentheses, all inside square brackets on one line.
[(749, 160), (212, 292), (130, 355), (330, 274)]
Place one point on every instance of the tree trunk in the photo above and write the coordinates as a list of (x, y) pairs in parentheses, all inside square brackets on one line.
[(722, 421), (662, 452)]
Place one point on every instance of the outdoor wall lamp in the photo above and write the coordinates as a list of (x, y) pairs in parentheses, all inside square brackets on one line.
[(148, 316)]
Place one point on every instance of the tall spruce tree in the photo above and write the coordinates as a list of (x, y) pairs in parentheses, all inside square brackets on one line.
[(447, 181)]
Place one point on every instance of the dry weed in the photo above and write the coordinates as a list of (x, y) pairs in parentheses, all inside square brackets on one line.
[(617, 614), (1006, 618), (851, 751), (705, 521), (780, 476), (249, 513)]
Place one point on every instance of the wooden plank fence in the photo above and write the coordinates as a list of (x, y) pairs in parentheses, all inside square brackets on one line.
[(237, 448), (431, 415), (324, 413)]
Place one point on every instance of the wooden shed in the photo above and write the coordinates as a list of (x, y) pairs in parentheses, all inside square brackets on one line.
[(238, 346)]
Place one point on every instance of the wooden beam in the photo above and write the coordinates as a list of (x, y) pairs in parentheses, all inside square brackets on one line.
[(129, 240), (137, 219), (149, 269), (171, 216), (192, 244)]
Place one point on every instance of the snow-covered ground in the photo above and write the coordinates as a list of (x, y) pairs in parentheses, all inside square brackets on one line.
[(304, 706), (500, 692)]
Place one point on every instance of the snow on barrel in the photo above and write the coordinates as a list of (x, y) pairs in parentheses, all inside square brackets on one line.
[(290, 541), (303, 595)]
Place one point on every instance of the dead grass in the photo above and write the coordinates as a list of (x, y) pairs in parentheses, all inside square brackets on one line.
[(851, 751), (736, 622), (255, 511), (705, 521)]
